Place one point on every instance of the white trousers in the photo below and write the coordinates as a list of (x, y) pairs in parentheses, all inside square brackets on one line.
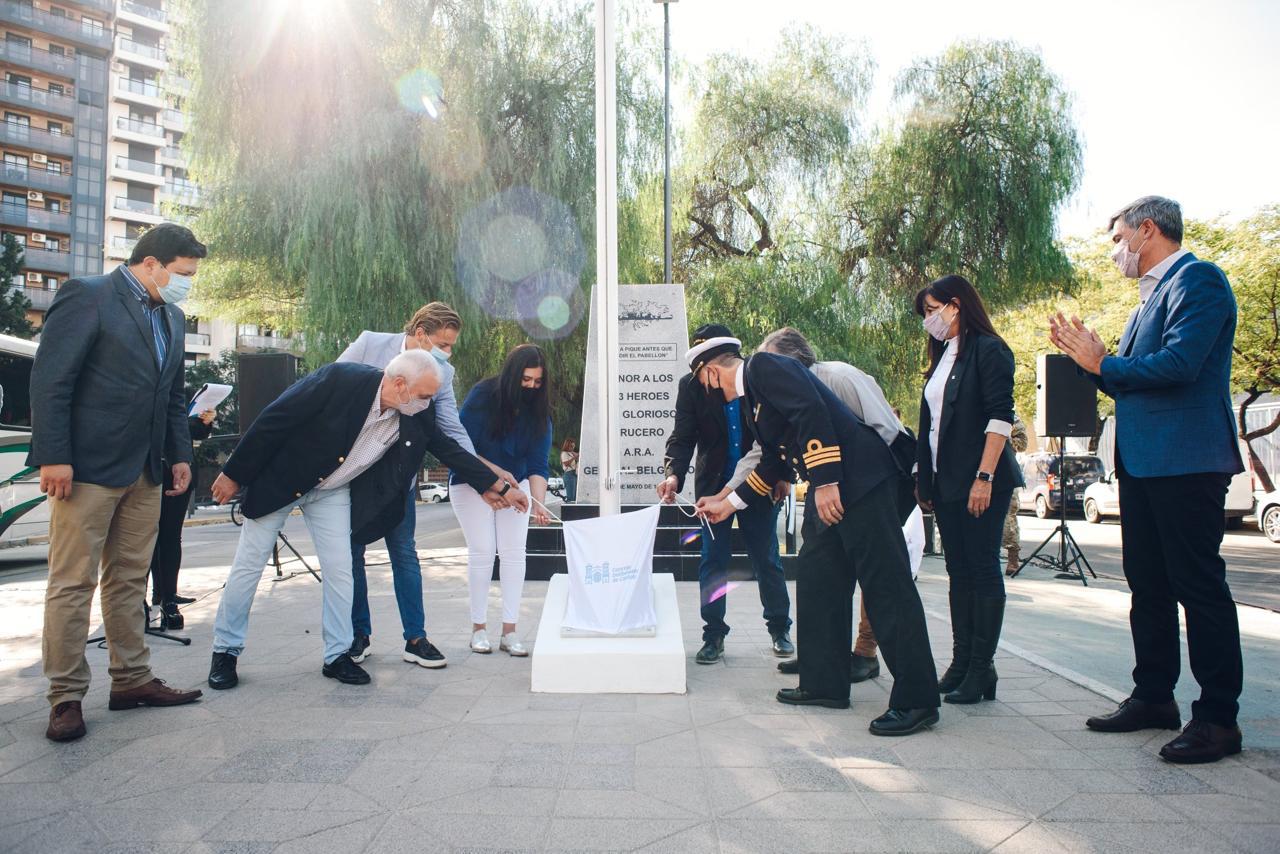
[(491, 532)]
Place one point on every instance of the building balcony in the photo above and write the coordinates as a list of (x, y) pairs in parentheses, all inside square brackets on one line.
[(35, 178), (31, 98), (258, 343), (141, 15), (25, 136), (199, 339), (172, 155), (120, 248), (178, 85), (81, 34), (38, 59), (133, 130), (36, 219), (107, 6), (133, 210), (138, 171), (185, 194), (128, 50), (141, 92), (45, 260), (40, 298), (175, 121)]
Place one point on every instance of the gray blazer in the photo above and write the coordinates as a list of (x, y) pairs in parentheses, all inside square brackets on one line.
[(377, 349), (99, 403)]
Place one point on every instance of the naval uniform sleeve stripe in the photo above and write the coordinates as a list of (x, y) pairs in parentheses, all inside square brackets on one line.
[(822, 459), (757, 483)]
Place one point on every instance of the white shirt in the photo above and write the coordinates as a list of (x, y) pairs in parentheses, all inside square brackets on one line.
[(1147, 284), (933, 394), (380, 431)]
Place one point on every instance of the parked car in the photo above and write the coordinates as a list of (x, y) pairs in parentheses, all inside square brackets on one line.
[(1269, 514), (1102, 499), (434, 492), (555, 485), (1043, 492)]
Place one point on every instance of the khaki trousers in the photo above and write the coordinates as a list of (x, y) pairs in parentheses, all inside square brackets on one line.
[(111, 527)]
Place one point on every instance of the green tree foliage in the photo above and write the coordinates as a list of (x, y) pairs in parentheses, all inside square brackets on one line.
[(14, 304)]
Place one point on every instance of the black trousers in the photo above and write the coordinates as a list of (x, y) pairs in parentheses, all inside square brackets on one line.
[(972, 546), (1172, 535), (866, 547), (166, 560)]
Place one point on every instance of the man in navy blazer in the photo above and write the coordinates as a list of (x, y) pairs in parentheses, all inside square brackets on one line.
[(340, 445), (1176, 450), (107, 404)]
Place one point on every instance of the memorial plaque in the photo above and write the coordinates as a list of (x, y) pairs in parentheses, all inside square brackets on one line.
[(653, 337)]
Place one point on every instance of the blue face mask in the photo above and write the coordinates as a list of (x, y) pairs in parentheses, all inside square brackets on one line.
[(442, 356), (177, 289)]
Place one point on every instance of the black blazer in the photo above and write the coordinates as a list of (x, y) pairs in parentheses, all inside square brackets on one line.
[(979, 389), (701, 425), (99, 402), (306, 433), (806, 431)]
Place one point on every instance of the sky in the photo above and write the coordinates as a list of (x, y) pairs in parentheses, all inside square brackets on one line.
[(1171, 97)]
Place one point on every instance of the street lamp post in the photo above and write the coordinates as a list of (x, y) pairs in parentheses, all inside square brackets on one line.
[(666, 138)]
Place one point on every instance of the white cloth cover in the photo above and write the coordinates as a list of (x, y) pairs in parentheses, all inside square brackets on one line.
[(913, 532), (610, 569)]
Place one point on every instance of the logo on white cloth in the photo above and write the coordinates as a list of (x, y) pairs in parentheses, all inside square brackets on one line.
[(604, 574)]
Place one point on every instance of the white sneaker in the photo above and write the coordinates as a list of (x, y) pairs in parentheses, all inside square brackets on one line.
[(511, 644), (480, 642)]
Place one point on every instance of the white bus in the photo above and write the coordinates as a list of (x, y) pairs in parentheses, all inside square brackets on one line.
[(23, 512)]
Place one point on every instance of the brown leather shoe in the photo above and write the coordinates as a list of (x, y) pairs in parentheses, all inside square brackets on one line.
[(66, 723), (1202, 741), (153, 693)]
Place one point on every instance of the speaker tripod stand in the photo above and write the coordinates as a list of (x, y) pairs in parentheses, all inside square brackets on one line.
[(1069, 562), (146, 627), (276, 561)]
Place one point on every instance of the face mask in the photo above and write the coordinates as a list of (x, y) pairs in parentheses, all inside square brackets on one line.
[(413, 405), (442, 356), (938, 325), (177, 289), (528, 395), (1126, 258)]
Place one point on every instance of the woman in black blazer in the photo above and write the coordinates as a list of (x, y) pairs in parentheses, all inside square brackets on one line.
[(967, 472)]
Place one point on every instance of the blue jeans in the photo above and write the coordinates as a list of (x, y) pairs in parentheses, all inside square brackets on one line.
[(406, 577), (328, 516), (758, 525)]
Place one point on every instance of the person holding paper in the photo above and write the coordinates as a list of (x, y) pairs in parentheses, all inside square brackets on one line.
[(166, 558)]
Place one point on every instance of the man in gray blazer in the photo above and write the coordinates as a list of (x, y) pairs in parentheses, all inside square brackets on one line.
[(107, 403), (433, 328)]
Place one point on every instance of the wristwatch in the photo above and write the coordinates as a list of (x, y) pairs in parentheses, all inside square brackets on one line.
[(985, 476), (506, 487)]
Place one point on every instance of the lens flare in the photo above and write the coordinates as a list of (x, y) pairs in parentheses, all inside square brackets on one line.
[(690, 537), (420, 92), (721, 591)]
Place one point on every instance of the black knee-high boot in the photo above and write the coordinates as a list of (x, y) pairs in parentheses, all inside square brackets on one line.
[(961, 641), (980, 682)]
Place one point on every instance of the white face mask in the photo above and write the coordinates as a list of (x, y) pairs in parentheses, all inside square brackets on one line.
[(441, 356), (1126, 258), (413, 405), (938, 325), (177, 289)]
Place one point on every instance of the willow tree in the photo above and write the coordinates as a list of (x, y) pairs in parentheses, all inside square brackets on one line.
[(365, 158)]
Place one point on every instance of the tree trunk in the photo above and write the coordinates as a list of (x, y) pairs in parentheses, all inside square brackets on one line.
[(1259, 470)]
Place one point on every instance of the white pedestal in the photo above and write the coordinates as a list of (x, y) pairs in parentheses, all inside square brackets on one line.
[(609, 665)]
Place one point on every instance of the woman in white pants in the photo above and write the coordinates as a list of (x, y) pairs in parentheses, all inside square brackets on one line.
[(506, 418)]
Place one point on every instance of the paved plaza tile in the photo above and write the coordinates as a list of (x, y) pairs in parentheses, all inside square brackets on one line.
[(467, 759)]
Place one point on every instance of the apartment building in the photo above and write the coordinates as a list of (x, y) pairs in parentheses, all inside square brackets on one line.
[(54, 60)]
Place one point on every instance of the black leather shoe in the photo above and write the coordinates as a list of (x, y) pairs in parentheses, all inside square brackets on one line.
[(183, 600), (711, 652), (800, 697), (790, 667), (170, 619), (1202, 741), (222, 672), (1135, 714), (346, 671), (359, 648), (903, 721), (863, 667), (782, 645)]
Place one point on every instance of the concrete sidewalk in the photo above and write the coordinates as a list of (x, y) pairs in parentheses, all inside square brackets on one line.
[(467, 759)]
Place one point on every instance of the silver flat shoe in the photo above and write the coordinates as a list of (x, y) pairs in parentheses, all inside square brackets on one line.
[(480, 642), (511, 645)]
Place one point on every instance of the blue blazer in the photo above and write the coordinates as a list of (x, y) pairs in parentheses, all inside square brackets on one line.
[(1171, 377), (99, 401)]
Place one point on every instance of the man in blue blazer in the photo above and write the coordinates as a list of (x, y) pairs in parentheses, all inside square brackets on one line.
[(340, 445), (107, 405), (1176, 451)]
